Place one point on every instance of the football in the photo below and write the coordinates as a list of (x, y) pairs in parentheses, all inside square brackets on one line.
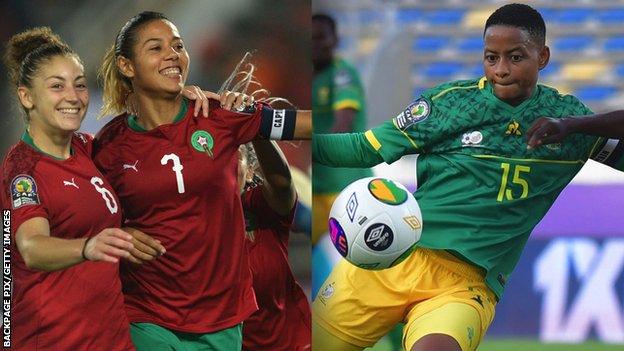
[(375, 223)]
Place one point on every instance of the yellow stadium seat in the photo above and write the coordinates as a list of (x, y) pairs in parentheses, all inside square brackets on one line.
[(583, 70), (367, 45), (476, 18)]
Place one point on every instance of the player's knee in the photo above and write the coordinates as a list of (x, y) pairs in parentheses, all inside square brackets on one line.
[(436, 342), (322, 340)]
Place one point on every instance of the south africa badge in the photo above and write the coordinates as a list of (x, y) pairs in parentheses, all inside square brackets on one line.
[(202, 141)]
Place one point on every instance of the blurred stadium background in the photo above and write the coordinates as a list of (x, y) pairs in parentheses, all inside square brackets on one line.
[(216, 33), (567, 292)]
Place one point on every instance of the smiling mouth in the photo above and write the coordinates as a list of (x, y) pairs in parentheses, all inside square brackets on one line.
[(171, 71), (69, 111)]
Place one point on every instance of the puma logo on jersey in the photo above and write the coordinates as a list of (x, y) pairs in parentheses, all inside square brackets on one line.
[(132, 166), (72, 183), (513, 129)]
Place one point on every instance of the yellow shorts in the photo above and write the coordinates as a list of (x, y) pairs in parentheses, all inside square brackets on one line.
[(321, 205), (432, 292)]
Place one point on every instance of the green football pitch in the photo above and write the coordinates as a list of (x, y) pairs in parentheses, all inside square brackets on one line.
[(520, 345)]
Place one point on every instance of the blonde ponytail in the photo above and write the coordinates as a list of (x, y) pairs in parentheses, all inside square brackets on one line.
[(116, 86)]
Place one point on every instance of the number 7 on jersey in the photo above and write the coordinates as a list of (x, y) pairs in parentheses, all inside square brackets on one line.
[(177, 169)]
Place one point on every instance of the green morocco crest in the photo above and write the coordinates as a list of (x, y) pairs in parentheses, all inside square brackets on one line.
[(202, 141)]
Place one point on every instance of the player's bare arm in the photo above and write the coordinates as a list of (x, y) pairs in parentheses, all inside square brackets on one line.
[(303, 125), (46, 253), (145, 247), (278, 188), (554, 130)]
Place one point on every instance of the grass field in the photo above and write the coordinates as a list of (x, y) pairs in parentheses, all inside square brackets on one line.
[(521, 345)]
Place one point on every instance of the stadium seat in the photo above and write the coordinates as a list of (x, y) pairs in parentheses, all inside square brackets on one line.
[(475, 19), (619, 70), (613, 16), (407, 16), (594, 92), (444, 17), (571, 16), (368, 17), (586, 41), (442, 70), (614, 44), (583, 70), (345, 43), (547, 14), (430, 44), (573, 43), (474, 71), (471, 44), (552, 68), (367, 45)]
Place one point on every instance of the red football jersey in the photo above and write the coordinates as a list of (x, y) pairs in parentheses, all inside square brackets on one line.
[(282, 322), (178, 184), (80, 307)]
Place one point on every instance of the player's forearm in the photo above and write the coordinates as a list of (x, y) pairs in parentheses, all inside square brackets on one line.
[(344, 150), (45, 253), (278, 190), (610, 124), (303, 125)]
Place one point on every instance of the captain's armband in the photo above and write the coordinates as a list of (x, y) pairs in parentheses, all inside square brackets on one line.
[(277, 124)]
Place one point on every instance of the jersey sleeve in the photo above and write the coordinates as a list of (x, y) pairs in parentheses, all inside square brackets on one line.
[(609, 152), (575, 106), (423, 124), (347, 90), (245, 125), (21, 194), (605, 150), (419, 126), (344, 150)]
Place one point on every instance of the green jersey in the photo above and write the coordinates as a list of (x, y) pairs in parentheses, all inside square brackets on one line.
[(337, 87), (480, 190)]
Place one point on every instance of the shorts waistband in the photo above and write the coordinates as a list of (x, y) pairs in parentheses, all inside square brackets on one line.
[(454, 263)]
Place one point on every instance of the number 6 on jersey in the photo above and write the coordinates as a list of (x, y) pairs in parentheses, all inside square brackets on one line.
[(98, 183)]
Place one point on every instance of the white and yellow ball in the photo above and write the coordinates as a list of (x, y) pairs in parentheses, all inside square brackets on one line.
[(375, 223)]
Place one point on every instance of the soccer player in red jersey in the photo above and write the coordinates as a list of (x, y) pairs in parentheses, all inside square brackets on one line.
[(65, 216), (282, 322), (176, 177)]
